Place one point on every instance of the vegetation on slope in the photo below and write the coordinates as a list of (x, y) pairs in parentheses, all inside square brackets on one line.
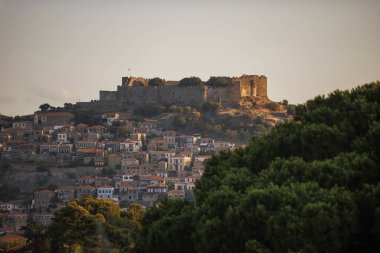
[(310, 185), (87, 225)]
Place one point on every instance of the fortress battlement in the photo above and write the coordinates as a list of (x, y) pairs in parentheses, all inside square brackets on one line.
[(135, 91)]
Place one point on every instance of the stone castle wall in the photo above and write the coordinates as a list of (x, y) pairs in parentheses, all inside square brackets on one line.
[(129, 94), (253, 86), (100, 106), (137, 95), (106, 95), (229, 95)]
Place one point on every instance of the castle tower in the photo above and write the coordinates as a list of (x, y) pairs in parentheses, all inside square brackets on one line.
[(220, 101), (253, 88), (262, 87)]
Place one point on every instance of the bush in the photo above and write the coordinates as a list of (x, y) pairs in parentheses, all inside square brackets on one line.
[(219, 81), (42, 168), (148, 110), (156, 82), (190, 81), (70, 175)]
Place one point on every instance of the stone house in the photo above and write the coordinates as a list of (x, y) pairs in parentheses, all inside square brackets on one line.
[(113, 146), (42, 199), (110, 117), (99, 181), (157, 188), (85, 144), (85, 191), (10, 206), (96, 129), (105, 192), (66, 193), (12, 222), (176, 194), (178, 162), (130, 145), (86, 180), (43, 219), (142, 157), (23, 124), (114, 160), (156, 156), (53, 118)]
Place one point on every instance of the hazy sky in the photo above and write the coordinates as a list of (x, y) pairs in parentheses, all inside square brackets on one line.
[(65, 51)]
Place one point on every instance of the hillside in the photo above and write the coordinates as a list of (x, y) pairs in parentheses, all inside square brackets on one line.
[(236, 124)]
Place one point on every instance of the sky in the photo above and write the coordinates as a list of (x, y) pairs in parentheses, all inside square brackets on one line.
[(66, 51)]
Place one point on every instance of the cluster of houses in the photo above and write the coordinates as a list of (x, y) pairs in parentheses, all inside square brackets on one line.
[(149, 163)]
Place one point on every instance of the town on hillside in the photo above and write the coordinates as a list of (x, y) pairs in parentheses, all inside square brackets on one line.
[(51, 161), (57, 155)]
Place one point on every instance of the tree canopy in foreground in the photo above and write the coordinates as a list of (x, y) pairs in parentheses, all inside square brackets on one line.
[(310, 185)]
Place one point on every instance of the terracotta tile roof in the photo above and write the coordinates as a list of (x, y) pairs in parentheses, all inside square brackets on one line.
[(86, 141), (176, 192), (102, 178), (24, 121), (130, 159), (114, 155), (86, 177), (110, 114), (12, 237), (160, 152), (44, 191), (129, 183), (105, 186), (156, 186), (88, 151), (96, 127), (67, 187), (85, 187), (113, 142), (155, 178)]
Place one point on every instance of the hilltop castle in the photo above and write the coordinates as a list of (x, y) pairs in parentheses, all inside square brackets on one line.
[(134, 91)]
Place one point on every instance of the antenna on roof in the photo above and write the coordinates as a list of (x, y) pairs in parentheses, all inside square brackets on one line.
[(129, 70)]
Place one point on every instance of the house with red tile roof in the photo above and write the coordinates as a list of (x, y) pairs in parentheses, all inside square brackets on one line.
[(85, 191), (53, 118), (43, 198), (177, 194), (105, 192)]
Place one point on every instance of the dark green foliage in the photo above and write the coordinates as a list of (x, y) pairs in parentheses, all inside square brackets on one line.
[(37, 237), (219, 81), (156, 82), (148, 110), (44, 107), (42, 168), (88, 117), (167, 228), (70, 175), (9, 193), (108, 172), (190, 81), (92, 225), (309, 185)]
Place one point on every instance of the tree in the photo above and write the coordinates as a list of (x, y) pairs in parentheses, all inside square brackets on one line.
[(190, 81), (148, 110), (308, 185), (45, 107), (90, 224), (219, 81), (37, 237), (154, 82), (167, 228)]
